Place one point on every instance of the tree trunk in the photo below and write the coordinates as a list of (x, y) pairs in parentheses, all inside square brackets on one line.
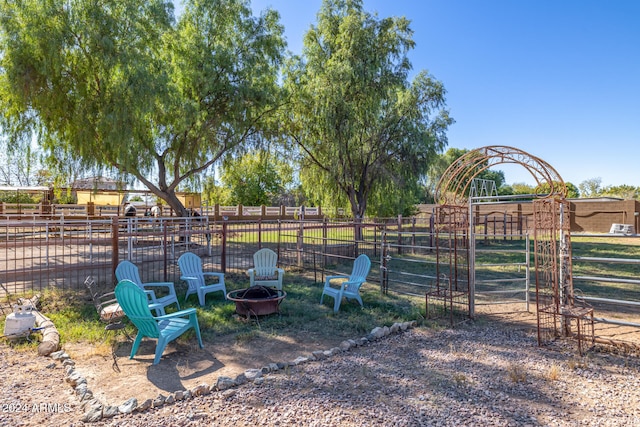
[(174, 203)]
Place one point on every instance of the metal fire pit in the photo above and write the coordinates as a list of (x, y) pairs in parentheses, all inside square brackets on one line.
[(257, 300)]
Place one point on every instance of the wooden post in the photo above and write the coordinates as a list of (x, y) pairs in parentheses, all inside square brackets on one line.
[(413, 235), (504, 226), (399, 234)]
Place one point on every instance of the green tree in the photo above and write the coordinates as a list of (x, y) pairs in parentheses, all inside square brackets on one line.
[(591, 187), (122, 85), (445, 160), (360, 126), (627, 192), (254, 179), (522, 188)]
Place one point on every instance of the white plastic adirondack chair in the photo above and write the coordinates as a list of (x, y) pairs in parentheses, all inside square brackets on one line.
[(265, 271), (350, 285), (127, 270), (191, 272)]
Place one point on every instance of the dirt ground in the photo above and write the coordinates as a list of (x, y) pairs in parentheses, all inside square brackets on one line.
[(185, 365)]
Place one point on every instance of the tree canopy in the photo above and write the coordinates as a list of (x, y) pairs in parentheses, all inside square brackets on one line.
[(254, 179), (122, 85), (362, 129)]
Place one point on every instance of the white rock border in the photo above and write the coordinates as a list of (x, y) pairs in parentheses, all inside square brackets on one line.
[(94, 410)]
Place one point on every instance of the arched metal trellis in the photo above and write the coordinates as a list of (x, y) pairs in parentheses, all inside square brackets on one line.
[(557, 313), (453, 187)]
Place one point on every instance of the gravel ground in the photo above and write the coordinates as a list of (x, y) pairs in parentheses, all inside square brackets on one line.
[(474, 375)]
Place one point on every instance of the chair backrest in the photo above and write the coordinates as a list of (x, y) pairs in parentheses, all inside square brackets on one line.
[(361, 267), (191, 265), (106, 305), (126, 270), (265, 261), (91, 285), (134, 302)]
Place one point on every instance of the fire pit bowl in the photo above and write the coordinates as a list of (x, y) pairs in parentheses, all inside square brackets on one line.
[(257, 300)]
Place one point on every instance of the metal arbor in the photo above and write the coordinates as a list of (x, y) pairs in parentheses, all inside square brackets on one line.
[(557, 313)]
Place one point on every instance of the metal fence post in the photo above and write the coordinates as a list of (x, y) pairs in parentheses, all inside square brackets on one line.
[(223, 252), (114, 247)]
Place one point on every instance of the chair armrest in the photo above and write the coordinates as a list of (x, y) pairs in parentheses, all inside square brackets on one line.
[(328, 279), (151, 295), (220, 275), (251, 272), (359, 281), (181, 313), (169, 285), (187, 278)]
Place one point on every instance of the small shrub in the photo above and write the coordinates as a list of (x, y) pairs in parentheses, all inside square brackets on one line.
[(577, 364), (245, 337), (553, 373), (460, 379), (517, 373)]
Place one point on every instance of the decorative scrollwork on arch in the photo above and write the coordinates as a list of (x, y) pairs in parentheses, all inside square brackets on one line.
[(453, 187)]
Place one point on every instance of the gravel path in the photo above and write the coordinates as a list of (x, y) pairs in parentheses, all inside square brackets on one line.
[(475, 375)]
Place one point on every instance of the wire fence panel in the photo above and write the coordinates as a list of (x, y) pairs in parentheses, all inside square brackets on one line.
[(609, 282), (38, 254)]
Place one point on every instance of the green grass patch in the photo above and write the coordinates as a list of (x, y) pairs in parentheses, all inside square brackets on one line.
[(301, 314)]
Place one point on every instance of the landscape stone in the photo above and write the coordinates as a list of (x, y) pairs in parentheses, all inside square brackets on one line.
[(252, 374), (225, 383), (59, 355), (158, 401), (128, 406), (299, 360), (93, 414), (201, 390), (109, 411), (145, 405), (241, 379), (319, 355), (75, 378), (345, 345)]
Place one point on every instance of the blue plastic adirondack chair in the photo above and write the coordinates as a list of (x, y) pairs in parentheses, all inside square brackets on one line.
[(126, 270), (265, 271), (165, 329), (350, 285), (191, 272)]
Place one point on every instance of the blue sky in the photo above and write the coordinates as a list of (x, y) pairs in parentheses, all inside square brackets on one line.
[(559, 79)]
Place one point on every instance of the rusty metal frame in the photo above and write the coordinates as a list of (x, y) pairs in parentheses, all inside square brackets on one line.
[(451, 287), (453, 187), (557, 313)]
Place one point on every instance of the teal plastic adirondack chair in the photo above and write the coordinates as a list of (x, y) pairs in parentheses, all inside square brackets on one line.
[(127, 270), (191, 272), (350, 285), (265, 271), (165, 329)]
